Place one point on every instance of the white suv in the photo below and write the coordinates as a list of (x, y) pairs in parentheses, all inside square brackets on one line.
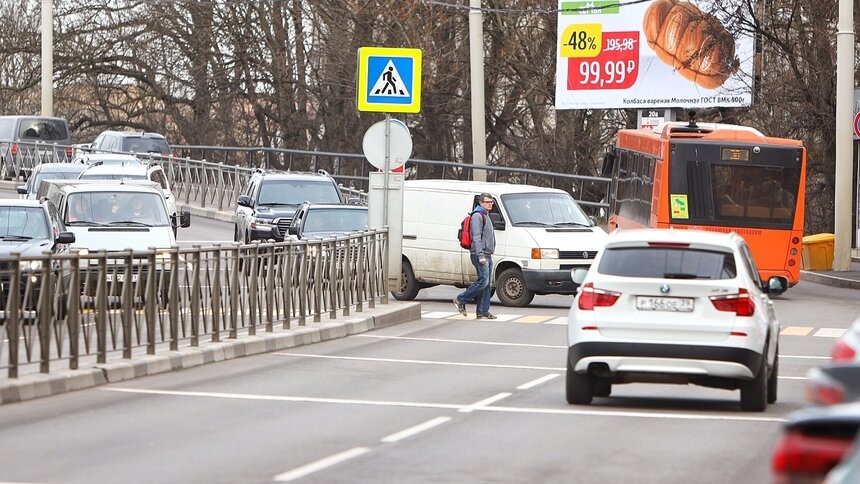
[(673, 306)]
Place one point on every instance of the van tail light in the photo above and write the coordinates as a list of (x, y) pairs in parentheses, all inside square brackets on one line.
[(823, 390), (842, 352), (69, 151), (740, 303), (799, 454), (14, 149), (591, 297)]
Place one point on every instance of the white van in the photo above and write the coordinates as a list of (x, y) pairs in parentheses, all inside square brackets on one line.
[(541, 234)]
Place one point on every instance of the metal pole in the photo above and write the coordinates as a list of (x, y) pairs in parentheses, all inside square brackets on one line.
[(844, 136), (476, 61), (47, 57), (387, 170)]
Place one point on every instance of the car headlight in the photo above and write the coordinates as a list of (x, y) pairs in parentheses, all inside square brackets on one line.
[(544, 253), (31, 265), (262, 223)]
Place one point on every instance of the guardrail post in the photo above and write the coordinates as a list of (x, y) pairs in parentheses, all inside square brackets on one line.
[(270, 288), (318, 281), (101, 309), (252, 293), (332, 279), (73, 314), (128, 303), (173, 300), (195, 297), (12, 317), (215, 295), (347, 277), (303, 284), (374, 277), (360, 276), (45, 314), (288, 284), (385, 249), (153, 293), (234, 291)]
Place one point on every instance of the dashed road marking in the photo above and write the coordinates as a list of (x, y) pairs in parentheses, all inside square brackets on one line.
[(416, 429), (321, 464), (830, 333)]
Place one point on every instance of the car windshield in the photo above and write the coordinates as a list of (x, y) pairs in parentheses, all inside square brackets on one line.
[(667, 263), (145, 145), (23, 222), (295, 192), (550, 209), (116, 208), (42, 129), (331, 220)]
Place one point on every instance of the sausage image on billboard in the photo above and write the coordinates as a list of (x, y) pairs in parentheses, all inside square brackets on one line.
[(695, 43)]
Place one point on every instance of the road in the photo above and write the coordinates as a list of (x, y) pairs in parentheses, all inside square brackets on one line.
[(442, 399), (437, 400)]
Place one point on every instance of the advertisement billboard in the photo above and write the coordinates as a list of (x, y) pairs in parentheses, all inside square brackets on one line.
[(668, 53)]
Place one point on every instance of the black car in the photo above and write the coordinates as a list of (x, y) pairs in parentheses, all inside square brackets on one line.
[(28, 228), (274, 195), (318, 221)]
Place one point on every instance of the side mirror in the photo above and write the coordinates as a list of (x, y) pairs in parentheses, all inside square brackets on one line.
[(21, 189), (593, 220), (65, 238), (776, 285), (498, 221), (578, 275), (293, 230), (184, 219), (244, 201)]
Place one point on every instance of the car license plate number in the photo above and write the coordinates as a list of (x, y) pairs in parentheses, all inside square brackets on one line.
[(671, 304), (119, 277)]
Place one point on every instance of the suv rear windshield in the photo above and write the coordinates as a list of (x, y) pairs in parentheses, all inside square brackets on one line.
[(668, 263), (42, 129), (144, 145)]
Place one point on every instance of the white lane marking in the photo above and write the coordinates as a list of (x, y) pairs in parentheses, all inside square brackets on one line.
[(485, 402), (278, 398), (416, 429), (422, 362), (321, 464), (451, 363), (829, 333), (507, 317), (438, 315), (553, 411), (440, 340), (806, 357), (561, 321), (534, 383)]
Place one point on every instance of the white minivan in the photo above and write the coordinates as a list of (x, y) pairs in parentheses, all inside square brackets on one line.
[(541, 235)]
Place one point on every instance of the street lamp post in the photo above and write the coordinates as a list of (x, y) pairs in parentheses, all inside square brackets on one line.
[(844, 136), (47, 58), (476, 61)]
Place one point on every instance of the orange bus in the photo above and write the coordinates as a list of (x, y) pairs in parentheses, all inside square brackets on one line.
[(716, 177)]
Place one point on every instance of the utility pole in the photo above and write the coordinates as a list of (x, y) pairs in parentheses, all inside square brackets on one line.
[(476, 62), (844, 136), (47, 58)]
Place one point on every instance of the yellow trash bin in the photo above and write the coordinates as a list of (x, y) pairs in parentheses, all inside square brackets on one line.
[(818, 252)]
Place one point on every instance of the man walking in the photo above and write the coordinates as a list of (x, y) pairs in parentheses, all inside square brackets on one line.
[(483, 246)]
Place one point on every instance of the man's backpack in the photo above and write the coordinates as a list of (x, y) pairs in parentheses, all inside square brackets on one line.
[(464, 235)]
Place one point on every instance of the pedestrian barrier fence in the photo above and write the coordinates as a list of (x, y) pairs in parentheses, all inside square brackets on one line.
[(86, 308)]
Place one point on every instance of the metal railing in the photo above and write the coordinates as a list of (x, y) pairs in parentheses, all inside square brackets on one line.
[(73, 309)]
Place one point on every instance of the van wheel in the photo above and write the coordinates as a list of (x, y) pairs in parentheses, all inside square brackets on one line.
[(511, 288), (408, 285)]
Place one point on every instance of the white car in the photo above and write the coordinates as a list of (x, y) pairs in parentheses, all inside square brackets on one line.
[(673, 306)]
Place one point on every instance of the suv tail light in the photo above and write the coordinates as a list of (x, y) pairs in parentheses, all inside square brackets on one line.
[(14, 149), (69, 151), (799, 454), (842, 352), (740, 303), (591, 297)]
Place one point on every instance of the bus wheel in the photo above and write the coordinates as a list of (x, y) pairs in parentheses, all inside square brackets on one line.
[(511, 288), (408, 285)]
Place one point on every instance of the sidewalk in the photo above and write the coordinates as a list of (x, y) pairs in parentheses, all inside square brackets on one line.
[(846, 279)]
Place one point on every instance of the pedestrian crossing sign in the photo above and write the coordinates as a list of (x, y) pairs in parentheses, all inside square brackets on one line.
[(389, 80)]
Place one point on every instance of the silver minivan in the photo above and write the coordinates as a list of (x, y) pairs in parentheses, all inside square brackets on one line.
[(26, 141)]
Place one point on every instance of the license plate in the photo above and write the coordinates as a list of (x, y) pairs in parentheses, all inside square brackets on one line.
[(671, 304), (119, 277)]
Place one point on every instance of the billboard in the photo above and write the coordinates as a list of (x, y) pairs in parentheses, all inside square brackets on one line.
[(667, 53)]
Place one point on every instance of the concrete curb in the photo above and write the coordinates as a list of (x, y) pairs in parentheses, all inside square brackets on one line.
[(212, 213), (39, 385), (829, 280)]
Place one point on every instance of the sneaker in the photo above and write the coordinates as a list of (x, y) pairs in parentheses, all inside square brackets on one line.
[(487, 316), (460, 306)]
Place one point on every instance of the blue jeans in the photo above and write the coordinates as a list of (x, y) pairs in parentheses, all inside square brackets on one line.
[(480, 289)]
